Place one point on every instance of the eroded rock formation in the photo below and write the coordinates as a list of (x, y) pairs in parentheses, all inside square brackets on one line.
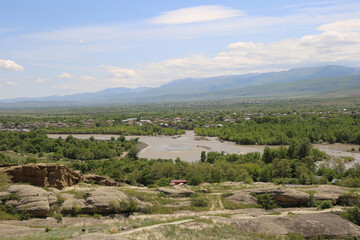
[(37, 201), (44, 175)]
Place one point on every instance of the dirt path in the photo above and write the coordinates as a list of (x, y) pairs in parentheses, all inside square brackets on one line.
[(153, 226), (220, 202)]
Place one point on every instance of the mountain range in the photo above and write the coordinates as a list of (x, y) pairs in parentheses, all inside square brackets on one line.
[(324, 81)]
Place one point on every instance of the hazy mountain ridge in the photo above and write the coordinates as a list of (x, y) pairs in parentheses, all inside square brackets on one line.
[(322, 80)]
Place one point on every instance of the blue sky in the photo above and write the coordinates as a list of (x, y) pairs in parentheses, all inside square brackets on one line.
[(64, 47)]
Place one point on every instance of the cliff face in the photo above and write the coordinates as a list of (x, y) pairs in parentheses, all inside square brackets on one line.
[(44, 175)]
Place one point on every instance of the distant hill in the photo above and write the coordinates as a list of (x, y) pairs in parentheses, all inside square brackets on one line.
[(307, 82)]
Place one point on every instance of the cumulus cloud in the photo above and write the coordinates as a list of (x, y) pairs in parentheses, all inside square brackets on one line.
[(65, 75), (329, 46), (10, 66), (87, 78), (342, 26), (42, 80), (196, 14), (12, 84), (118, 72)]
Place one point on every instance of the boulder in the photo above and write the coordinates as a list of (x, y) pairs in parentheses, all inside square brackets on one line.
[(92, 178), (285, 197), (44, 175), (325, 225), (176, 192), (326, 192), (37, 201), (98, 200)]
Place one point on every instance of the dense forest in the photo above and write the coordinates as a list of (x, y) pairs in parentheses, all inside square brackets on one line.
[(122, 130), (295, 164), (71, 148), (279, 130)]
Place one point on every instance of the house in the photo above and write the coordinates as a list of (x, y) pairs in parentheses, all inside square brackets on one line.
[(178, 182)]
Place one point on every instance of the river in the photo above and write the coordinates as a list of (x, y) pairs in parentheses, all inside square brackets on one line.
[(188, 146)]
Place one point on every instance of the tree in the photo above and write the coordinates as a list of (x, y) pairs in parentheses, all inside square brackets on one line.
[(133, 152), (203, 156)]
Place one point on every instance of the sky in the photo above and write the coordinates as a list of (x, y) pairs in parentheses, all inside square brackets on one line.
[(64, 47)]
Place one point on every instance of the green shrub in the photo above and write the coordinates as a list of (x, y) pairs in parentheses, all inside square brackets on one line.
[(324, 204), (124, 206), (294, 236), (266, 201), (348, 198), (10, 197), (75, 209), (350, 182), (24, 215), (60, 199), (97, 216), (200, 202), (58, 216), (352, 214)]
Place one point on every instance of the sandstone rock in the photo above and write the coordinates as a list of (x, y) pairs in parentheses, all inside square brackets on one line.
[(325, 225), (285, 197), (37, 201), (98, 200), (326, 192), (99, 180), (44, 175), (176, 192)]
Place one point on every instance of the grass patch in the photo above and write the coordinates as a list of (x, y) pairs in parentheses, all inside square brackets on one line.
[(78, 194)]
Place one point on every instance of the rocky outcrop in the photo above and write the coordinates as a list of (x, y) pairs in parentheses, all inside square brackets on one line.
[(92, 178), (37, 201), (97, 200), (284, 197), (176, 192), (325, 225), (44, 175), (326, 192)]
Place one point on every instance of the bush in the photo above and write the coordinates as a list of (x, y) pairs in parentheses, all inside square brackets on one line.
[(352, 214), (324, 204), (200, 202), (10, 197), (348, 198), (60, 200), (266, 201), (24, 215), (294, 236), (58, 217), (124, 206), (76, 209), (350, 182), (97, 216)]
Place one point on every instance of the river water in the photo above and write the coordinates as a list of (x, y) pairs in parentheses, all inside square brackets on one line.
[(189, 147)]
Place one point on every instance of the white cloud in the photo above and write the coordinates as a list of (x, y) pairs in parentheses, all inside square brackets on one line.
[(327, 47), (119, 72), (65, 75), (342, 26), (12, 84), (87, 78), (196, 14), (10, 66), (42, 80)]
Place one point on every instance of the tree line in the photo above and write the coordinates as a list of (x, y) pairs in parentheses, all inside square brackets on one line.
[(281, 130)]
